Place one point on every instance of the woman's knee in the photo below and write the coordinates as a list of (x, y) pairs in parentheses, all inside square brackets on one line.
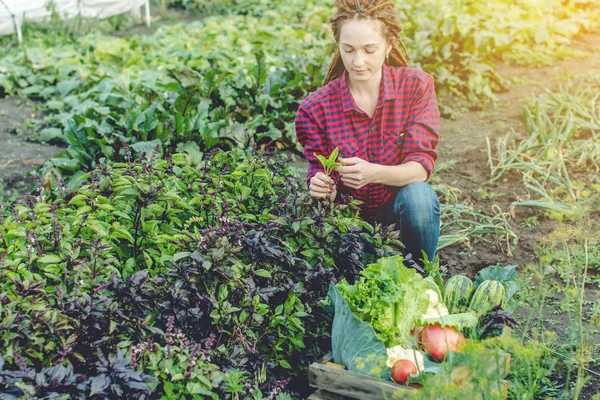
[(418, 203)]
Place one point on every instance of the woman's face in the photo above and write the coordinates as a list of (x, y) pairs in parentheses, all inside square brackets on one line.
[(362, 48)]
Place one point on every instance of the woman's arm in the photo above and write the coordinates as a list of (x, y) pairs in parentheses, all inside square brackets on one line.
[(399, 175), (421, 133), (358, 173)]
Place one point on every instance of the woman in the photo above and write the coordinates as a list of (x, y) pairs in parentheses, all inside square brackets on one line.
[(384, 119)]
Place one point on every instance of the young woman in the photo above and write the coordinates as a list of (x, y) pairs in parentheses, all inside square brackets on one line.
[(384, 119)]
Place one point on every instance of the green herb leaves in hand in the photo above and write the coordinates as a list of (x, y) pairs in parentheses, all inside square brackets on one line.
[(329, 164)]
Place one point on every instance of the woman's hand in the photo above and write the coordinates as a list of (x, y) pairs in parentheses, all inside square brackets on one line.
[(322, 186), (356, 172)]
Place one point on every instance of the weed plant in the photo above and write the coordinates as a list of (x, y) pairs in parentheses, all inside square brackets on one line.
[(569, 252), (561, 139)]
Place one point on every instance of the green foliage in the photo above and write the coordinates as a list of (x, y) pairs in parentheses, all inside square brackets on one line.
[(329, 163), (235, 79), (390, 297), (220, 86), (459, 41), (562, 142), (234, 383), (227, 246), (181, 366), (477, 372), (531, 369), (573, 251)]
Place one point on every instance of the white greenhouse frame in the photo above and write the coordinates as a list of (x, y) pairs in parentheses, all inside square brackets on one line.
[(14, 12)]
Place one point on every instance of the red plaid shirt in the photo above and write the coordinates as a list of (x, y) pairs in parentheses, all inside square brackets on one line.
[(404, 128)]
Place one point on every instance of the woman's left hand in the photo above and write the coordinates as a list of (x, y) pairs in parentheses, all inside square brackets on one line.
[(357, 172)]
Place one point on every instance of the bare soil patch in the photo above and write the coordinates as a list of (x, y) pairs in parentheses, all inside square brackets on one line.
[(18, 157)]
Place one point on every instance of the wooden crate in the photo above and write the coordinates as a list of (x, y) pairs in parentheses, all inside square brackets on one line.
[(335, 383)]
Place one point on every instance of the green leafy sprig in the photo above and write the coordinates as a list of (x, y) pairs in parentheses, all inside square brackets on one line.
[(329, 164)]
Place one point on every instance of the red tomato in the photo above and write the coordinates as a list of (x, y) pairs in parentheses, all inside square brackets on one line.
[(438, 341), (401, 369)]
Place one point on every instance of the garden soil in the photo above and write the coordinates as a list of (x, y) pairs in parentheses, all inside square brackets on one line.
[(18, 156)]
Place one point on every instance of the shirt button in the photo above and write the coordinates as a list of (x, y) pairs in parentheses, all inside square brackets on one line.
[(371, 129), (372, 155)]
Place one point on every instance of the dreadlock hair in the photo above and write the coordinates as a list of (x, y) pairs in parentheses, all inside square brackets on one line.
[(381, 10)]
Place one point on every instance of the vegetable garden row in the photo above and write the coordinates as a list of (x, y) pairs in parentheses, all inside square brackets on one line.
[(171, 251)]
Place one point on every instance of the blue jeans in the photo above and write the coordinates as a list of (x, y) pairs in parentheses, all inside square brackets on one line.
[(416, 212)]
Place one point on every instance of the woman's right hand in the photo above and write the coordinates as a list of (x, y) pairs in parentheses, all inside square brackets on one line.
[(322, 186)]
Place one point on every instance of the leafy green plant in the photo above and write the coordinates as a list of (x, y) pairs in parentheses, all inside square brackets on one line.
[(531, 369), (329, 163), (530, 222), (223, 246), (234, 383), (390, 297), (570, 250), (181, 366)]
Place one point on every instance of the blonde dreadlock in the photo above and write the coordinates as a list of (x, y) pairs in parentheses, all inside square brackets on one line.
[(382, 10)]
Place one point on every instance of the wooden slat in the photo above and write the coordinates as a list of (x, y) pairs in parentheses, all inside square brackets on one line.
[(325, 395), (326, 358)]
